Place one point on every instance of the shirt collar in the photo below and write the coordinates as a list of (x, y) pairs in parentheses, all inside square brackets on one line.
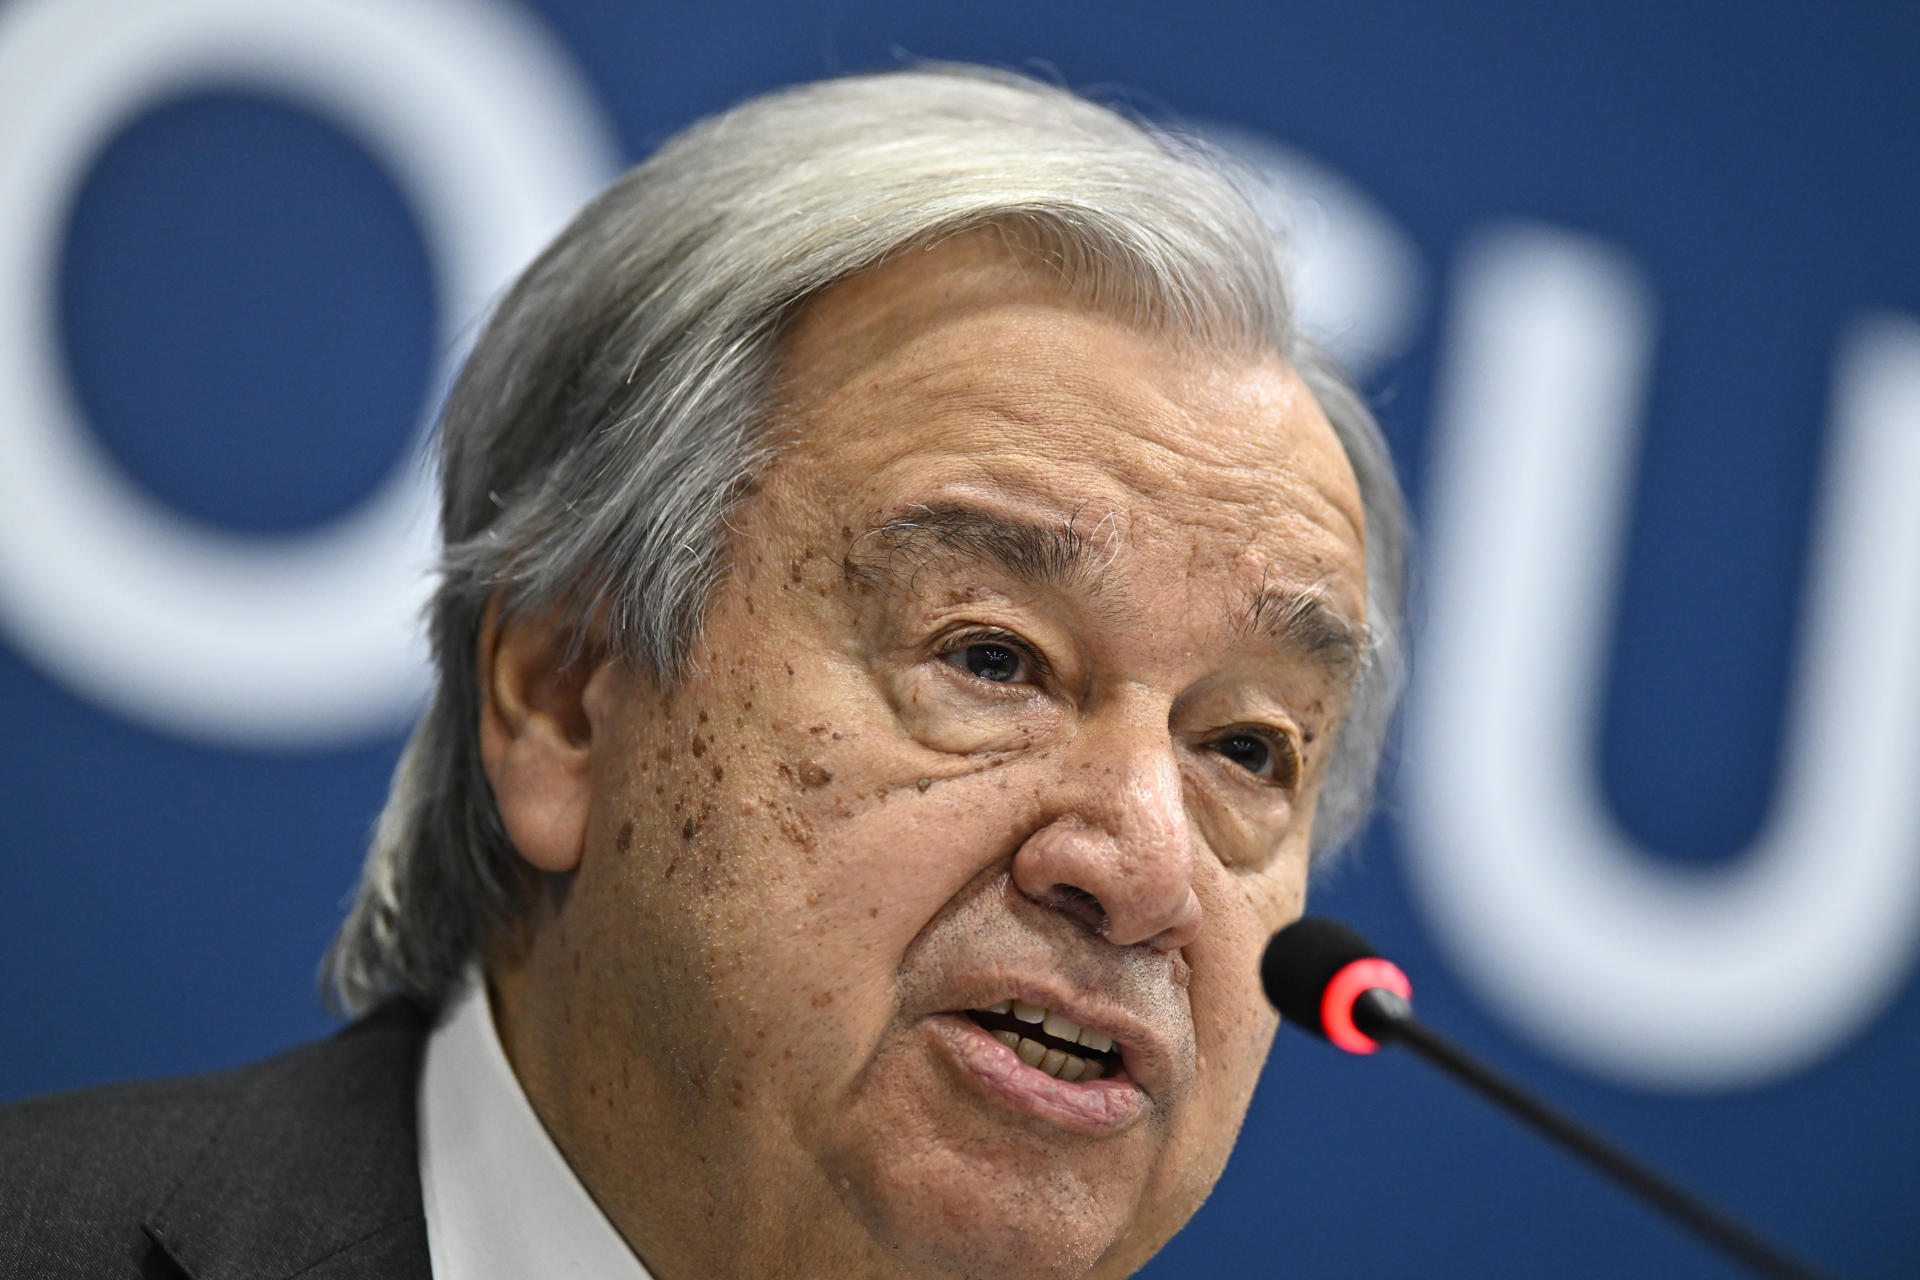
[(501, 1201)]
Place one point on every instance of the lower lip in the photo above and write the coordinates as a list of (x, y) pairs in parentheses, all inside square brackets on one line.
[(1102, 1106)]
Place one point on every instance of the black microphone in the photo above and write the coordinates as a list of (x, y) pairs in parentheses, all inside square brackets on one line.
[(1324, 977)]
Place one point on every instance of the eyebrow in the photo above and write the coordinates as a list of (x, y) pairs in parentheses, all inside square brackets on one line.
[(1060, 555), (1304, 622), (1049, 554)]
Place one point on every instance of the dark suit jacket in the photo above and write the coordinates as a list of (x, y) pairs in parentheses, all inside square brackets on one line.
[(302, 1166)]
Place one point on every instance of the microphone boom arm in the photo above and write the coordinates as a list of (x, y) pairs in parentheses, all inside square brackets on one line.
[(1387, 1017), (1328, 980)]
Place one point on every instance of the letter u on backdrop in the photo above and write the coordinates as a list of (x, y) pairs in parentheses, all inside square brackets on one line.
[(1646, 972)]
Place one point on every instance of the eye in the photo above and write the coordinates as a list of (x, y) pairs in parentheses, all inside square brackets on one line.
[(994, 660), (1261, 756), (995, 656)]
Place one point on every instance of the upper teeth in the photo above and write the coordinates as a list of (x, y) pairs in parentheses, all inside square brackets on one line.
[(1054, 1062)]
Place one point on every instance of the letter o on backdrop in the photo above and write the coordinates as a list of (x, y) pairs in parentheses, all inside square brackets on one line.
[(286, 641)]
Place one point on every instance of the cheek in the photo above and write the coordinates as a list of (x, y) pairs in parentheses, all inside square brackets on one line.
[(1231, 1011), (742, 955), (1234, 1028), (1232, 1017), (1249, 833), (796, 838), (930, 704)]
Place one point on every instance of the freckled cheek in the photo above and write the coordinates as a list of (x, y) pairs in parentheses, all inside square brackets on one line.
[(824, 843), (1274, 897), (1247, 835), (818, 930), (771, 931), (930, 710), (1233, 1020)]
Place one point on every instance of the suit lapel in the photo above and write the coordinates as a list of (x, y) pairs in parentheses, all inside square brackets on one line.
[(314, 1172)]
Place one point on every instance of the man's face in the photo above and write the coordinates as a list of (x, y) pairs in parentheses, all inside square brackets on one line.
[(1021, 685)]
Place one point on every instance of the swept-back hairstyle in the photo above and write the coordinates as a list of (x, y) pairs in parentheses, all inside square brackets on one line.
[(615, 406)]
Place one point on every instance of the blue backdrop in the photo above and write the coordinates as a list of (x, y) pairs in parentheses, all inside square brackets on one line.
[(1685, 232)]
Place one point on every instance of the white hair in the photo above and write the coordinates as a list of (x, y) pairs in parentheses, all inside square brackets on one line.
[(614, 409)]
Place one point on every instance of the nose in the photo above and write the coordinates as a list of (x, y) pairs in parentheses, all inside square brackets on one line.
[(1116, 852)]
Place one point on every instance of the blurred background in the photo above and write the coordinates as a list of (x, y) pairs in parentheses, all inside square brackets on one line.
[(1635, 289)]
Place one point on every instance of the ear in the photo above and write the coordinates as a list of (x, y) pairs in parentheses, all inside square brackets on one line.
[(536, 735)]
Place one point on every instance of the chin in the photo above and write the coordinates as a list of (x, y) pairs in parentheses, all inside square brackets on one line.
[(971, 1215)]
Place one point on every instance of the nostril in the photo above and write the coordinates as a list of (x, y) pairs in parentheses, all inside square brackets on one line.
[(1073, 901)]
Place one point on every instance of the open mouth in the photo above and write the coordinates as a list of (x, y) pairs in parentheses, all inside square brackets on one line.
[(1049, 1042)]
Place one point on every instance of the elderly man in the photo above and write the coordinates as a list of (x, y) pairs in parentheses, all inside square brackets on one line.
[(911, 611)]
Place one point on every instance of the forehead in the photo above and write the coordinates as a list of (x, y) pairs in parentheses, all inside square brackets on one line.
[(962, 375)]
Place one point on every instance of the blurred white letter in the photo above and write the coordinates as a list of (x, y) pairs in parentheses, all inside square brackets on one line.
[(1647, 972), (291, 641)]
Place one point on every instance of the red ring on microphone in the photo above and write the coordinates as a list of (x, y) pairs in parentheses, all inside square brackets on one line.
[(1347, 986)]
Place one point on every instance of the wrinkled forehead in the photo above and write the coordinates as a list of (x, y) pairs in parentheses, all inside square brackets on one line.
[(963, 376)]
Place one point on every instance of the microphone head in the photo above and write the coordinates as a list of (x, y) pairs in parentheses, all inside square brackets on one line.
[(1315, 969)]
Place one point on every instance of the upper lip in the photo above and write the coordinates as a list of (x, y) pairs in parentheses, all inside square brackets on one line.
[(1146, 1051)]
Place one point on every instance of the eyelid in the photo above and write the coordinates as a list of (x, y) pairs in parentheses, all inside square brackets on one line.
[(955, 641), (1283, 749)]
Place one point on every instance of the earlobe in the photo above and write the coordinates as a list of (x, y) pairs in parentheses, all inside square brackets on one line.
[(536, 736)]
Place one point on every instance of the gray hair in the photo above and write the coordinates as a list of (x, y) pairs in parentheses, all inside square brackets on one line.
[(614, 409)]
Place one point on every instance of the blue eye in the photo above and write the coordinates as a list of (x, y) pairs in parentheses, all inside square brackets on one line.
[(990, 660)]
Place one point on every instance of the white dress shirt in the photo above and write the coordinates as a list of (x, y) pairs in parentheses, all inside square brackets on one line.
[(501, 1201)]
